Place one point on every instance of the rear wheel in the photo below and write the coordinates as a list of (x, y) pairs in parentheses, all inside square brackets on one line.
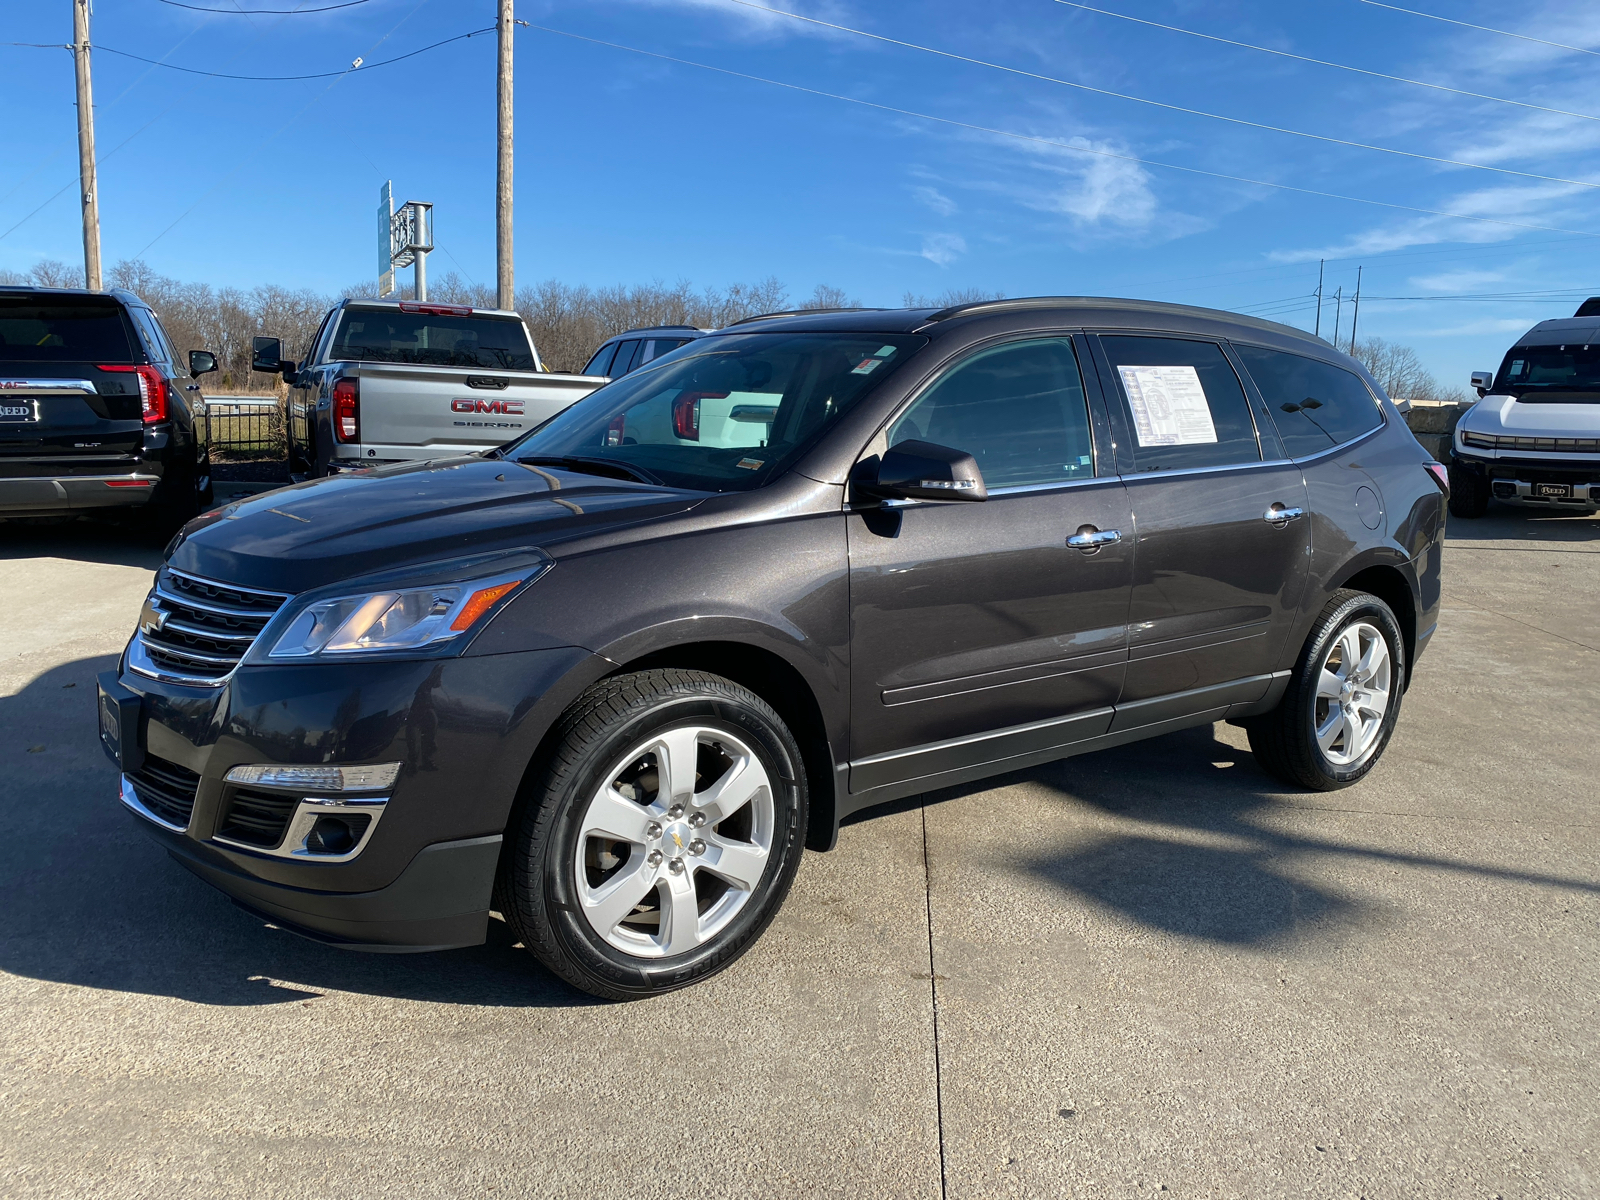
[(1343, 699), (1469, 493), (661, 836)]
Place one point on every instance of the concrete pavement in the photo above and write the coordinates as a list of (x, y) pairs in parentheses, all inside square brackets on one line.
[(1143, 972)]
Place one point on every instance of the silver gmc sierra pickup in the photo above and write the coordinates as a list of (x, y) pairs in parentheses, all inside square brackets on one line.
[(391, 381)]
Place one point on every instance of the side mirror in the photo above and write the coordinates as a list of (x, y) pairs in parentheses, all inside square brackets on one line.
[(914, 470), (290, 376), (1482, 381), (266, 355), (201, 362)]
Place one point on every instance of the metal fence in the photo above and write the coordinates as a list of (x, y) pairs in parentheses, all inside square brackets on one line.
[(246, 425)]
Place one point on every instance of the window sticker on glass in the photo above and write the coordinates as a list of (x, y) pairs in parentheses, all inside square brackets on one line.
[(884, 352), (867, 366), (751, 464), (1169, 406)]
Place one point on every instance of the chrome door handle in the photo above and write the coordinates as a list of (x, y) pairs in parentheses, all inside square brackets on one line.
[(1280, 516), (1090, 538)]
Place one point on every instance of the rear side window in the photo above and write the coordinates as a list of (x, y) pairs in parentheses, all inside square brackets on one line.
[(1018, 409), (431, 339), (600, 364), (1315, 405), (1184, 402), (654, 348), (31, 331), (624, 360)]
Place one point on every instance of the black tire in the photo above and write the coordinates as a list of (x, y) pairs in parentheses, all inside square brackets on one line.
[(1284, 740), (537, 888), (1469, 493), (176, 502)]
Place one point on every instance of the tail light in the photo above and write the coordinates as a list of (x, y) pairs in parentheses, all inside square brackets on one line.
[(616, 430), (1440, 474), (436, 310), (347, 410), (152, 390), (686, 413)]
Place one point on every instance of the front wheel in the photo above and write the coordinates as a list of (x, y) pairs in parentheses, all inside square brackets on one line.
[(661, 835), (1343, 699)]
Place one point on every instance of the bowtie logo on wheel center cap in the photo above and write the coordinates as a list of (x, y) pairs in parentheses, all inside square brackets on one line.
[(675, 839)]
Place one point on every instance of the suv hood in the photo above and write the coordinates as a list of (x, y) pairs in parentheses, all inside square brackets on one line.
[(1505, 415), (328, 530)]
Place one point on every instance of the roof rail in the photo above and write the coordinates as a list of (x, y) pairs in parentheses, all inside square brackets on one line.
[(957, 310), (796, 312)]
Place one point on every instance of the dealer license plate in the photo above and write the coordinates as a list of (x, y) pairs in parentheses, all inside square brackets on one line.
[(1553, 491), (16, 412)]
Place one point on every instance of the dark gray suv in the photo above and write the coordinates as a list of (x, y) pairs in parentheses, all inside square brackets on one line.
[(610, 679)]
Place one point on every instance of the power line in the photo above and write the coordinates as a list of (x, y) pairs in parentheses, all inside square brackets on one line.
[(1317, 137), (263, 12), (358, 65), (1322, 62), (1484, 28), (1044, 141)]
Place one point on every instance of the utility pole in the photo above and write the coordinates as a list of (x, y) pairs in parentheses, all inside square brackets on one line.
[(503, 275), (1338, 311), (88, 188), (1321, 263), (1355, 313)]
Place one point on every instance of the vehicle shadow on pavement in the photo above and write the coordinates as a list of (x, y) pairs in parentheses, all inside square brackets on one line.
[(1205, 860), (83, 540), (1505, 522), (86, 898)]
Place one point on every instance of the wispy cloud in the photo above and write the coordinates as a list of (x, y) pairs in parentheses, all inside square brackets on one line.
[(942, 249), (933, 198), (1456, 281)]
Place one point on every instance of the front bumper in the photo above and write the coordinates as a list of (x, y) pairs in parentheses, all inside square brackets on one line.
[(1543, 483), (464, 730)]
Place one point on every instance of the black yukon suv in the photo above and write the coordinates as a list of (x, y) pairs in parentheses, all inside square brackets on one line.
[(96, 415), (609, 679)]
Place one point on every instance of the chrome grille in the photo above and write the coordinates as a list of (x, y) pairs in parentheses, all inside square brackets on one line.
[(195, 630)]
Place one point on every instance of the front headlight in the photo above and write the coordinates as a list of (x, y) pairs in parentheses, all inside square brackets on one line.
[(393, 619)]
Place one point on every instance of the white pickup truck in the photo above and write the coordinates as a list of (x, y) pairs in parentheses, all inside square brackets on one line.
[(1534, 437), (389, 381)]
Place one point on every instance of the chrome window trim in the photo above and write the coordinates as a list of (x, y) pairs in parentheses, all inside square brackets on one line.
[(305, 817), (1242, 466), (131, 799), (1024, 488), (1321, 454), (72, 387)]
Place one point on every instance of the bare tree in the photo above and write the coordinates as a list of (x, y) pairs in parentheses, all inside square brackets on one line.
[(827, 296), (951, 297), (1400, 371), (50, 272)]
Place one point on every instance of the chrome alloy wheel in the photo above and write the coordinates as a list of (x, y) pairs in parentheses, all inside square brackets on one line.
[(1353, 692), (673, 844)]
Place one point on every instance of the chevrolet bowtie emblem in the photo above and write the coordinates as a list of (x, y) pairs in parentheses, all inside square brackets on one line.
[(676, 840)]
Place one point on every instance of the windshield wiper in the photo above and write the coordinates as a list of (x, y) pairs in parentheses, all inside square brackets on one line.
[(593, 466)]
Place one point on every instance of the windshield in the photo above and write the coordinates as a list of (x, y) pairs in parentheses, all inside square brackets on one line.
[(62, 331), (435, 340), (727, 414), (1551, 375)]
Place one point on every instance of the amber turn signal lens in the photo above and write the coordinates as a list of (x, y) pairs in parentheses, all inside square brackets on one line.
[(480, 603)]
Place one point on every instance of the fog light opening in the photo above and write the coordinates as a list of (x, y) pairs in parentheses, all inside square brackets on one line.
[(337, 835), (1505, 491)]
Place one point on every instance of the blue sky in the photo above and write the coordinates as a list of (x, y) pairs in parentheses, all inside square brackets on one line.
[(632, 168)]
